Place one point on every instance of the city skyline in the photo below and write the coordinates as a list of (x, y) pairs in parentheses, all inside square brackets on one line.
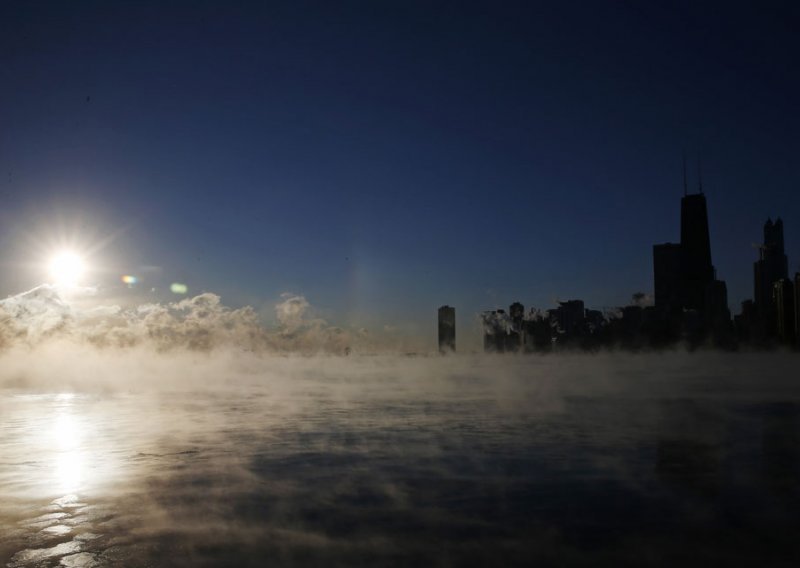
[(411, 283), (694, 236), (530, 164), (689, 305)]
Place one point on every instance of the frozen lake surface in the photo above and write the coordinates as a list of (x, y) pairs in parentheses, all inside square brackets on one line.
[(621, 459)]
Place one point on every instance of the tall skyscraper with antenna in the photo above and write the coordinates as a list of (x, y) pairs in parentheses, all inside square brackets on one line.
[(697, 272), (685, 278)]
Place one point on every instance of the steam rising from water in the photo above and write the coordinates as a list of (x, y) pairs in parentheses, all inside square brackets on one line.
[(185, 435), (201, 323)]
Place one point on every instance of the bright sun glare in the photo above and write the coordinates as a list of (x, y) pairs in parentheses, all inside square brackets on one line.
[(66, 268)]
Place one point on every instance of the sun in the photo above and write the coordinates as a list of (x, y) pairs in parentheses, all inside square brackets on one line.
[(66, 268)]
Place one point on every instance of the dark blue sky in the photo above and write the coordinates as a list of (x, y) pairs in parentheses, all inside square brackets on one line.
[(383, 158)]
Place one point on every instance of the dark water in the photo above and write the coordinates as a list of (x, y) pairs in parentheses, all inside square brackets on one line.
[(591, 461)]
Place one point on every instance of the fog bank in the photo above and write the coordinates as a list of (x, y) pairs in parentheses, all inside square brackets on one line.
[(200, 323)]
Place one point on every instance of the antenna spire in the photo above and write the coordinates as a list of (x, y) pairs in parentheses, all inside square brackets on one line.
[(685, 186), (699, 175)]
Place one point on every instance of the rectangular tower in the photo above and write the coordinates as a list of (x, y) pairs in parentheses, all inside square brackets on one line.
[(447, 329), (797, 308), (717, 314), (697, 271), (783, 298), (515, 340), (771, 266), (496, 325), (667, 277), (571, 317)]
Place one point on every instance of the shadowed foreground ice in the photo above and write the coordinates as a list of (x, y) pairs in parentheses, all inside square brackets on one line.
[(134, 459)]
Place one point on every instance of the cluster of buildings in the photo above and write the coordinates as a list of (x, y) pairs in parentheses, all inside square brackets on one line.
[(773, 315), (690, 303)]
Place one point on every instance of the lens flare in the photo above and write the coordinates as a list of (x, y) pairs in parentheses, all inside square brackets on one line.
[(178, 288), (66, 269)]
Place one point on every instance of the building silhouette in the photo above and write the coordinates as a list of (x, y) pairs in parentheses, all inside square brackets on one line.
[(447, 329), (783, 295), (717, 315), (504, 332), (697, 272), (495, 329), (667, 262), (514, 339), (797, 309), (689, 300), (537, 333), (517, 313), (690, 304), (771, 266), (570, 316), (745, 322)]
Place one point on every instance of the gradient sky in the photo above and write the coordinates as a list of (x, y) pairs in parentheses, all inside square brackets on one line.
[(384, 158)]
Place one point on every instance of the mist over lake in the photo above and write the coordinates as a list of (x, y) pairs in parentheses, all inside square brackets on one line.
[(399, 284), (243, 460)]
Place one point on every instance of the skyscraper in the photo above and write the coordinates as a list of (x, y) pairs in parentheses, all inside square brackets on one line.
[(667, 276), (797, 308), (697, 272), (716, 312), (496, 327), (447, 329), (688, 296), (771, 266), (516, 313), (783, 297), (571, 316)]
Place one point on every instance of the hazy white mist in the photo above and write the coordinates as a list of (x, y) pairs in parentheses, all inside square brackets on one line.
[(188, 434)]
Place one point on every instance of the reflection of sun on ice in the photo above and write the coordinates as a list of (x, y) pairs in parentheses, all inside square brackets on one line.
[(69, 462), (66, 268), (69, 470)]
